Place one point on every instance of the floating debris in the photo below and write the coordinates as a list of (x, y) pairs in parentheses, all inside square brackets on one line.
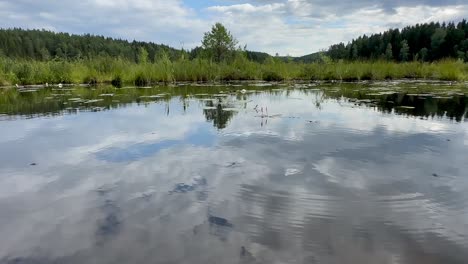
[(33, 164), (262, 84), (242, 101), (406, 107), (231, 109), (107, 95), (151, 96), (365, 101), (93, 101), (209, 108), (27, 90), (435, 175), (63, 89), (421, 95)]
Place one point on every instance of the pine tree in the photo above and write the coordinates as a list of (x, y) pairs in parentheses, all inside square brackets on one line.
[(389, 52), (404, 51)]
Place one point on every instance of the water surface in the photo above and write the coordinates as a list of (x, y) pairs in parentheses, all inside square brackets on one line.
[(305, 173)]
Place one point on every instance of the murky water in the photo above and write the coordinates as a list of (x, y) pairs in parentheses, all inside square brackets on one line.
[(363, 173)]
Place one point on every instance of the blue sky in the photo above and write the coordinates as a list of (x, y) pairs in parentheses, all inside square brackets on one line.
[(294, 27)]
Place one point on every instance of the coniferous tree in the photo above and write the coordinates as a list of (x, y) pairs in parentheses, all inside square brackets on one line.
[(404, 51), (425, 42), (389, 52)]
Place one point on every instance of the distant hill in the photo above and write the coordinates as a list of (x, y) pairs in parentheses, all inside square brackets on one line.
[(314, 57), (257, 56)]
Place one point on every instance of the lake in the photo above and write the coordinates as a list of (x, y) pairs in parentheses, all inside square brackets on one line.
[(258, 173)]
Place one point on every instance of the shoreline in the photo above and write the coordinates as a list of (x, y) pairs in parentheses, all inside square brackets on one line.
[(233, 83)]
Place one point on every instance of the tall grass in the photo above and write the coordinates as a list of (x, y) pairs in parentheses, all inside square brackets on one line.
[(118, 71)]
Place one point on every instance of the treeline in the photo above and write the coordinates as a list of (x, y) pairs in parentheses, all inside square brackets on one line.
[(46, 45), (422, 42)]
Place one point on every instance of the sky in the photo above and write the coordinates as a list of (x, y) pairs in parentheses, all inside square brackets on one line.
[(287, 27)]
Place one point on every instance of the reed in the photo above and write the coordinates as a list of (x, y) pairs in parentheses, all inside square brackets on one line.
[(118, 71)]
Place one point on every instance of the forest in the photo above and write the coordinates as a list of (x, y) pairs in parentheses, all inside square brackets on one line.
[(45, 45), (423, 51), (421, 42)]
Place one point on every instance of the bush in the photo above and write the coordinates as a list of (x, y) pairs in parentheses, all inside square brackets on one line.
[(271, 76), (117, 82)]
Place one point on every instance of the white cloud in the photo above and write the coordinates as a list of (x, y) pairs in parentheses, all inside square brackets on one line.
[(300, 27), (295, 27)]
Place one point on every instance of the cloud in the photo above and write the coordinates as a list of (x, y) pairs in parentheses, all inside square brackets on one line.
[(313, 7), (168, 22), (295, 27)]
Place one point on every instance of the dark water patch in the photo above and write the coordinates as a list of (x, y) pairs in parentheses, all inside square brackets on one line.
[(110, 224), (219, 221), (197, 184)]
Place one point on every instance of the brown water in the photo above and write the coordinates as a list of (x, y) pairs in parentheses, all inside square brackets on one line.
[(372, 173)]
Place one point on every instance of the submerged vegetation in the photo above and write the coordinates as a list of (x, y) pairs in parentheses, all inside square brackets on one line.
[(41, 57)]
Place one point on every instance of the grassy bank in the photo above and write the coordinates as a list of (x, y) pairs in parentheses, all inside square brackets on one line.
[(119, 72)]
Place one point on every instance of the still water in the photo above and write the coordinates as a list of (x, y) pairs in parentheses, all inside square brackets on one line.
[(311, 173)]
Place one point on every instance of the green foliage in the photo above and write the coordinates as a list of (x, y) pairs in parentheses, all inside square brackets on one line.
[(437, 41), (425, 42), (219, 43), (404, 51), (119, 72), (45, 45), (355, 52), (389, 52), (423, 54), (142, 55)]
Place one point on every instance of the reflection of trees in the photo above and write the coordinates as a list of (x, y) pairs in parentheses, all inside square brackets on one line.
[(218, 116), (454, 107), (58, 102)]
